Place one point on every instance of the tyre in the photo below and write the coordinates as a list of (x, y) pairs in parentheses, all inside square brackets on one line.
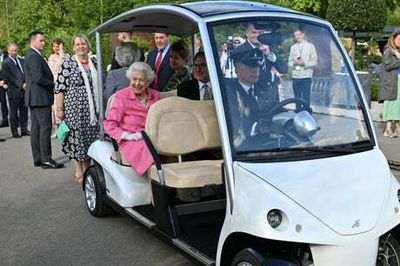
[(388, 251), (248, 257), (94, 196)]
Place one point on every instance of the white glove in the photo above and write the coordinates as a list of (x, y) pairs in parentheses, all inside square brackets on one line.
[(131, 136)]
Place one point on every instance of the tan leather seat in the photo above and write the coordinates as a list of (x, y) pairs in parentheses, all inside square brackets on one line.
[(165, 94), (178, 126), (190, 174), (109, 103)]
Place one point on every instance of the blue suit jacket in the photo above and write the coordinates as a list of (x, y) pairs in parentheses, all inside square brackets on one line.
[(165, 71)]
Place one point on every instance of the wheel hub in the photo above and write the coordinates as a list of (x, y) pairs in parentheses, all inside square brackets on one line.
[(387, 255), (90, 193)]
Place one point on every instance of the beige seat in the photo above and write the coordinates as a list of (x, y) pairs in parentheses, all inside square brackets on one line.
[(117, 154), (165, 94), (190, 174), (178, 126)]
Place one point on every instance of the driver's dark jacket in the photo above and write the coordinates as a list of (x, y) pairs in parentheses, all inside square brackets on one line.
[(245, 110)]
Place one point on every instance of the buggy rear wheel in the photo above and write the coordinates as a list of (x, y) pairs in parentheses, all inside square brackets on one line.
[(94, 196)]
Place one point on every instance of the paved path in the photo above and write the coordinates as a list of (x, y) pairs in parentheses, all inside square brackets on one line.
[(389, 146), (43, 220)]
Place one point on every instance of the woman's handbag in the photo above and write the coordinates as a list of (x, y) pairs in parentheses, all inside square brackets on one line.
[(62, 131)]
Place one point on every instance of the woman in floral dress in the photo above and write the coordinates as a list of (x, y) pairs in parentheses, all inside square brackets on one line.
[(76, 89)]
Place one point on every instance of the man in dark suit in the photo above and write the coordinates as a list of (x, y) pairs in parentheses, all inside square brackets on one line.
[(3, 97), (270, 59), (198, 88), (39, 97), (158, 59), (248, 95), (13, 69), (3, 87)]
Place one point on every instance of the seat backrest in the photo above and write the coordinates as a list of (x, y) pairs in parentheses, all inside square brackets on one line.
[(109, 103), (178, 126), (165, 94)]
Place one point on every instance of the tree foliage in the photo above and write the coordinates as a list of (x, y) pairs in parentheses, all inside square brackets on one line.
[(64, 18), (357, 15), (56, 18), (392, 4)]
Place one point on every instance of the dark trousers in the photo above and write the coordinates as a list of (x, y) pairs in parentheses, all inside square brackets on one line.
[(18, 111), (3, 103), (40, 133), (301, 89)]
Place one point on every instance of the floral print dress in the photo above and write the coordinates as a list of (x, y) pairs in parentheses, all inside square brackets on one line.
[(76, 109)]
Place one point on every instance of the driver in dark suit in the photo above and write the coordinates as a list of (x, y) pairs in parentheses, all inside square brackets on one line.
[(249, 95)]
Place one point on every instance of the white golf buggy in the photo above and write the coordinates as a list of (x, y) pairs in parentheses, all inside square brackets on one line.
[(311, 188)]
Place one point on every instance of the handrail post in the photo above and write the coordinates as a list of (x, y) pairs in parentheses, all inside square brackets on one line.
[(100, 82)]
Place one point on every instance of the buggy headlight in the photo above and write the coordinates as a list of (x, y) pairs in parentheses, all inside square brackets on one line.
[(274, 218)]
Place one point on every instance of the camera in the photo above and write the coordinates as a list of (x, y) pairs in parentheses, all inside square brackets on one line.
[(229, 43)]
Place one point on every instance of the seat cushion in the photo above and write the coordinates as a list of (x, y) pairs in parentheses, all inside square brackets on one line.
[(190, 174)]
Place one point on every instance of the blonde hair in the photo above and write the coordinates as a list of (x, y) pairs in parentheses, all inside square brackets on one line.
[(390, 43), (82, 36)]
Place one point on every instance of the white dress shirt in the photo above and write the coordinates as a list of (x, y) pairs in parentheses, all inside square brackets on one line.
[(202, 90)]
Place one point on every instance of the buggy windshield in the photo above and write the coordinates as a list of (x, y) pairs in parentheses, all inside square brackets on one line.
[(287, 88)]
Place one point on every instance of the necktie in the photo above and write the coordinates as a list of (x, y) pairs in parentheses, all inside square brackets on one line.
[(19, 66), (251, 92), (207, 92), (158, 60), (157, 68)]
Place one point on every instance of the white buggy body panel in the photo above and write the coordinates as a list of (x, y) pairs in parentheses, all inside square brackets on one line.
[(340, 229), (123, 185)]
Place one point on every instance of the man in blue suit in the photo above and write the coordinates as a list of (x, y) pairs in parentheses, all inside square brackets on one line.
[(158, 59)]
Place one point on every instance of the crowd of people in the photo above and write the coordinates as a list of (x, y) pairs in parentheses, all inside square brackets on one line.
[(65, 88)]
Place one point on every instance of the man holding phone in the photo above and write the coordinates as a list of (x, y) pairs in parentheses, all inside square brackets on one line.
[(302, 59)]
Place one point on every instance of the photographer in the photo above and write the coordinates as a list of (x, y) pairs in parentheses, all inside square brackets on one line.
[(226, 61), (302, 59), (270, 59)]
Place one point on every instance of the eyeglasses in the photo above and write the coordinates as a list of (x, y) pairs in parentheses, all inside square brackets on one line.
[(199, 65)]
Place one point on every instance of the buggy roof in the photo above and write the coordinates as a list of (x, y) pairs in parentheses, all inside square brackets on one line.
[(180, 19)]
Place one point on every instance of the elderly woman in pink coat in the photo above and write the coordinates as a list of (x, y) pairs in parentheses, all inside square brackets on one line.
[(126, 117)]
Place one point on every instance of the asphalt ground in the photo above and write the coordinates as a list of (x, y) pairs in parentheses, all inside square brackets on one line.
[(44, 221), (389, 146)]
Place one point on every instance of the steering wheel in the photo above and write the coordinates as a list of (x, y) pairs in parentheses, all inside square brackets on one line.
[(266, 118), (300, 106)]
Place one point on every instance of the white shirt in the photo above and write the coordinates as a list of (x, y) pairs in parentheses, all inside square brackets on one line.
[(202, 90), (246, 87)]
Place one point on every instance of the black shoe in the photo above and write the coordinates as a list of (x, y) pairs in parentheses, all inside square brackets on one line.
[(16, 135), (25, 132), (51, 164), (4, 125), (2, 140), (37, 164)]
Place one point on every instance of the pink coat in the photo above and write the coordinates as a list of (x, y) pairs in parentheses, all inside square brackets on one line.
[(128, 114)]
